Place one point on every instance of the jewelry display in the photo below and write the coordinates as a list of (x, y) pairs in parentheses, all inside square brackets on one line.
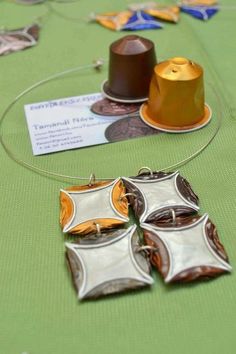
[(106, 255)]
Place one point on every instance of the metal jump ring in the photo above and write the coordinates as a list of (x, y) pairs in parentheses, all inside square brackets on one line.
[(172, 211), (146, 247), (128, 194), (98, 229), (92, 179), (145, 168)]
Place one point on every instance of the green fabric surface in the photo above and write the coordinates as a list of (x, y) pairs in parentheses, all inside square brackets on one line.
[(39, 311)]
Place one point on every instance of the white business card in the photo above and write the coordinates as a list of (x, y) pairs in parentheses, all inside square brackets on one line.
[(65, 124)]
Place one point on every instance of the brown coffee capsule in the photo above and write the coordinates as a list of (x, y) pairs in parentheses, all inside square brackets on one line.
[(128, 128), (106, 107), (176, 100), (153, 194), (131, 62), (187, 249)]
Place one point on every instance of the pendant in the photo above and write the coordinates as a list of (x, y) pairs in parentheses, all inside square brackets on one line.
[(153, 194), (141, 21), (112, 20), (199, 2), (108, 263), (29, 2), (200, 12), (100, 204), (188, 249), (19, 39)]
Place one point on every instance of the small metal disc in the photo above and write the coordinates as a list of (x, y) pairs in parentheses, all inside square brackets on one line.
[(127, 128), (106, 107)]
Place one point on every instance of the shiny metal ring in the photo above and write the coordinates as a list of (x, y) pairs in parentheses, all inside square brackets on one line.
[(128, 194), (148, 248), (98, 229), (92, 179), (145, 168), (172, 211)]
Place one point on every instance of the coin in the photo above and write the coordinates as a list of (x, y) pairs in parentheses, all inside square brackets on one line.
[(106, 107), (127, 128)]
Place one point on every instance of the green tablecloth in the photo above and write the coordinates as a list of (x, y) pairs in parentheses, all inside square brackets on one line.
[(39, 312)]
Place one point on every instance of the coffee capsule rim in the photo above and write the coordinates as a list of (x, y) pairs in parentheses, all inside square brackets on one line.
[(170, 129), (107, 93)]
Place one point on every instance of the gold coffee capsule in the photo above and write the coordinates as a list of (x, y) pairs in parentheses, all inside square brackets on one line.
[(176, 100)]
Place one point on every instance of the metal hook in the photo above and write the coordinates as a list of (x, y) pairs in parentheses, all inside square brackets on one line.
[(127, 194), (172, 211), (98, 229), (92, 179), (147, 169), (147, 248)]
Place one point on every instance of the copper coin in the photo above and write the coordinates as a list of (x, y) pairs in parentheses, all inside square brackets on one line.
[(127, 128), (106, 107)]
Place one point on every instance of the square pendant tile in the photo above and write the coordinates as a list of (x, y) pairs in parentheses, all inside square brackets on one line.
[(154, 195), (85, 206), (109, 264), (187, 252)]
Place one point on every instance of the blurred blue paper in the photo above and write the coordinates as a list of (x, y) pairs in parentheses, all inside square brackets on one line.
[(141, 21), (200, 12)]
